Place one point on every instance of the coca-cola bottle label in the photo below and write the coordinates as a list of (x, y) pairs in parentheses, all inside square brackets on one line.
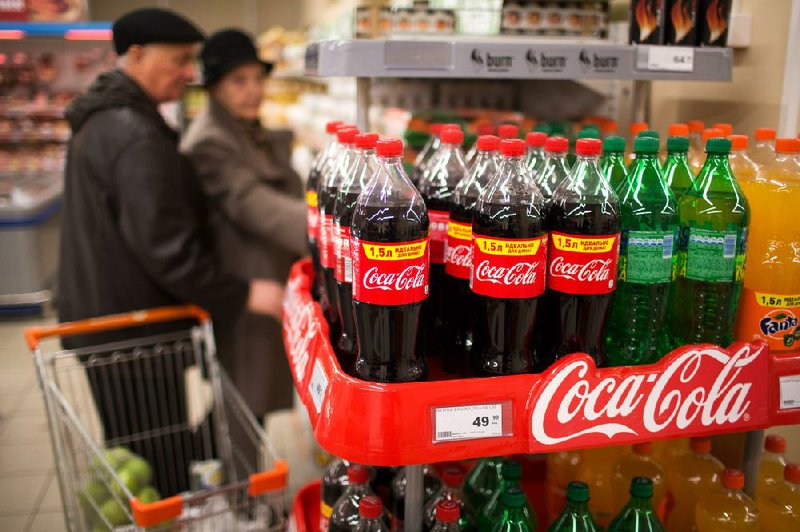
[(459, 250), (508, 267), (343, 271), (313, 215), (646, 257), (437, 232), (390, 273), (327, 242), (581, 264)]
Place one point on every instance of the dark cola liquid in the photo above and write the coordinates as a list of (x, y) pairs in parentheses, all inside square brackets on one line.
[(504, 335), (437, 199), (388, 335), (576, 322), (313, 248), (326, 200), (347, 343)]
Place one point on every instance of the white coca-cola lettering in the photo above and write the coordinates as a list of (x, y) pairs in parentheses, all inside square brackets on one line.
[(460, 255), (521, 273), (411, 277), (656, 401), (594, 271)]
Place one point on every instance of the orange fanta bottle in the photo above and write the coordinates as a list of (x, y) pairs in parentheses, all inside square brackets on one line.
[(562, 468), (773, 462), (691, 474), (742, 165), (726, 508), (763, 152), (597, 470), (639, 463), (779, 505)]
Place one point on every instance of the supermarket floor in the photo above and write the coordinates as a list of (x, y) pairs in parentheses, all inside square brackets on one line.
[(29, 495)]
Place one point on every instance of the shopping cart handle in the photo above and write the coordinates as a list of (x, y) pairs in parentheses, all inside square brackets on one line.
[(151, 514), (116, 321), (272, 480)]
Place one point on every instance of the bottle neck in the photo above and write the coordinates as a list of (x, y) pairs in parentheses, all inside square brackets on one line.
[(717, 164), (580, 508), (514, 514), (785, 156), (586, 159), (678, 154), (640, 503)]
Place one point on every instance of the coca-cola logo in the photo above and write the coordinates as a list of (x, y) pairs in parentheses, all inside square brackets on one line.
[(702, 386), (521, 273), (593, 271), (411, 277), (460, 255)]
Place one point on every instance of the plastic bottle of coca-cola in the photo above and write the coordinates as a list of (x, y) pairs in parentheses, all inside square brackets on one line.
[(426, 153), (436, 151), (461, 301), (584, 224), (391, 263), (363, 168), (535, 157), (312, 187), (437, 190), (484, 128), (326, 197), (555, 169), (509, 257)]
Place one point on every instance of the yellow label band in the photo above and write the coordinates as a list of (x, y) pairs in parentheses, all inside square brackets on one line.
[(777, 300), (491, 246), (459, 231), (325, 510), (311, 198), (395, 251), (582, 245)]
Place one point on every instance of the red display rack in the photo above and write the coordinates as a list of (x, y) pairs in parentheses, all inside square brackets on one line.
[(695, 390)]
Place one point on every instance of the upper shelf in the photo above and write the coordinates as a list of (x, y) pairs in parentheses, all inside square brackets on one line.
[(78, 31), (514, 58)]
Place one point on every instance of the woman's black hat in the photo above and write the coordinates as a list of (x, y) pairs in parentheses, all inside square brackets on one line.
[(226, 50)]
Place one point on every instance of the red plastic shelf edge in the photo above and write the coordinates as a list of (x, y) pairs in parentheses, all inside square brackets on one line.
[(693, 391)]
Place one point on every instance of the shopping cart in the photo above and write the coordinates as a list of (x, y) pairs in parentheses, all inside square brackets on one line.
[(166, 399)]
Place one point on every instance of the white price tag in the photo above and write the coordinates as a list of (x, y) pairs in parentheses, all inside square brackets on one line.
[(317, 385), (468, 422), (670, 58), (790, 392)]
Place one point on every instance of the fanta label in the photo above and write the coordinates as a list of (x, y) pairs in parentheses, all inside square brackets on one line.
[(773, 318), (458, 259), (390, 273), (581, 264), (313, 216), (437, 231), (508, 267)]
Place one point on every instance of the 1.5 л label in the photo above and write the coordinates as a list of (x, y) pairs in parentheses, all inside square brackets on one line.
[(508, 267), (437, 231), (390, 273), (343, 271), (327, 252), (581, 264), (459, 250), (773, 318), (711, 256), (313, 216), (646, 257)]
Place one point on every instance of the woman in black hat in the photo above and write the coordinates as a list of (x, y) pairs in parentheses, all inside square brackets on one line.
[(255, 197)]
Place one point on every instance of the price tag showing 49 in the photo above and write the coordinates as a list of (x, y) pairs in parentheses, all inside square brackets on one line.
[(468, 422)]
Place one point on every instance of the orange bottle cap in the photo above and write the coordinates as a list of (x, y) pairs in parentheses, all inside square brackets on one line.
[(638, 127), (775, 444), (711, 133), (696, 126), (738, 142), (733, 479), (727, 129), (700, 445), (678, 130), (765, 133), (787, 145), (792, 473), (609, 126), (644, 448)]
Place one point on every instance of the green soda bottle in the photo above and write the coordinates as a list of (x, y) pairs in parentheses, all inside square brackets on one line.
[(612, 162), (649, 217), (638, 515), (677, 171), (492, 511), (482, 481), (714, 217), (515, 514), (576, 516)]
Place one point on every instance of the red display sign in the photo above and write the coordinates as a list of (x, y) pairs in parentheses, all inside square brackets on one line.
[(327, 242), (508, 268), (390, 273), (313, 216), (437, 231), (458, 261), (343, 271), (580, 264)]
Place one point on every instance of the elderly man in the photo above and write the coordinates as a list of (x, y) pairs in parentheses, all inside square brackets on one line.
[(135, 232)]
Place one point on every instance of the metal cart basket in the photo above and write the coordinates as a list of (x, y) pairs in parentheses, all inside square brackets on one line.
[(134, 421)]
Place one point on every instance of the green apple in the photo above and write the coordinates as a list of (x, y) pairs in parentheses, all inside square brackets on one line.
[(129, 480), (116, 458), (97, 491), (149, 494), (113, 511), (140, 469)]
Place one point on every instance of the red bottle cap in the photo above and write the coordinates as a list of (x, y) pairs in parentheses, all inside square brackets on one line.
[(738, 142), (791, 473), (512, 147), (370, 507), (700, 445), (389, 147), (535, 138), (787, 145), (452, 476), (556, 145), (678, 130), (332, 126), (447, 511), (775, 444), (588, 146), (637, 127), (450, 126), (435, 129), (727, 129), (453, 136), (485, 128), (711, 133), (346, 135), (488, 143), (342, 125), (357, 474), (508, 131), (644, 448), (696, 126), (366, 141), (733, 479), (765, 133)]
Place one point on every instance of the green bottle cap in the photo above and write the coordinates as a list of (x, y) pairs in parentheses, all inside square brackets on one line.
[(513, 497), (543, 128), (511, 470), (592, 126), (718, 145), (588, 134), (652, 133), (642, 487), (645, 145), (613, 145), (577, 492), (680, 144)]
